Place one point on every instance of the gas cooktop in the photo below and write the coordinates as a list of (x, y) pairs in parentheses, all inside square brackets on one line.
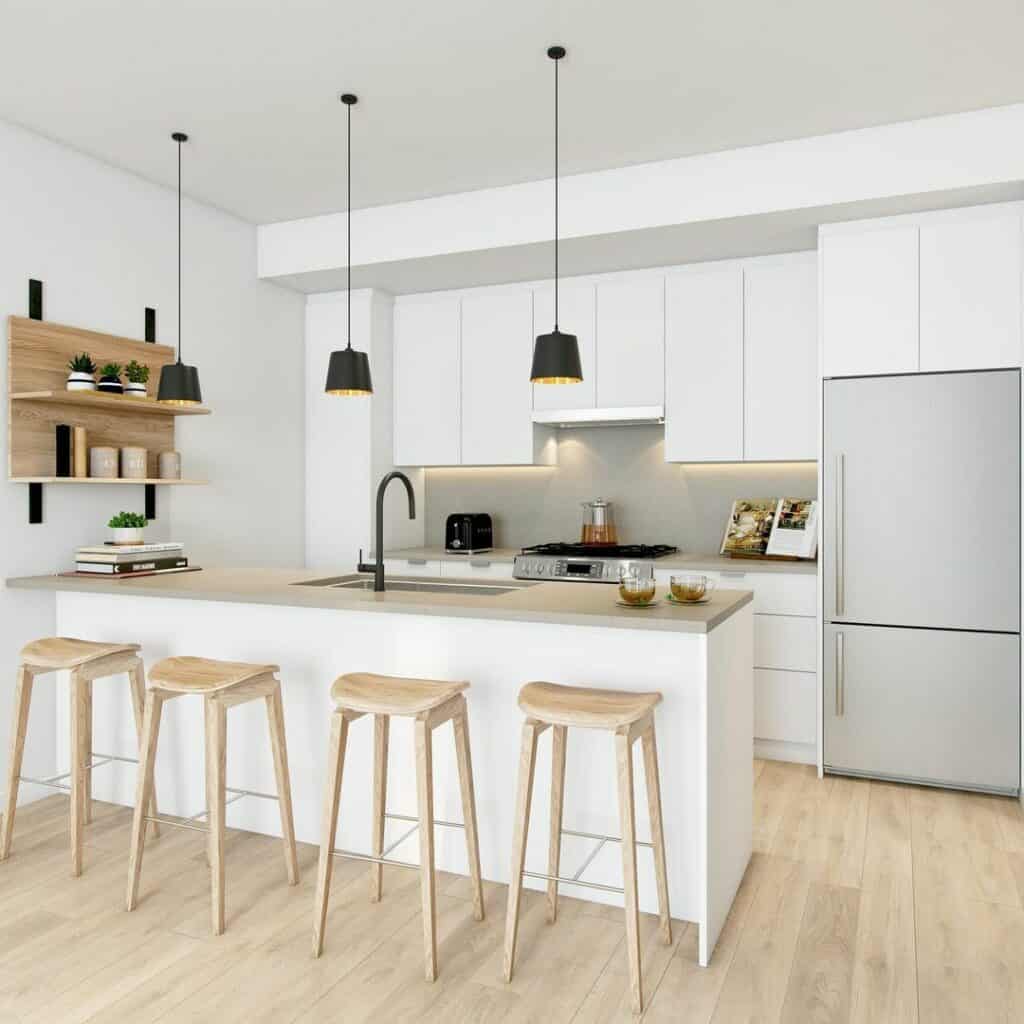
[(587, 563)]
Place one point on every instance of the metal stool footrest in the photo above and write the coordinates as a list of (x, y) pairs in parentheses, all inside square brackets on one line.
[(53, 781), (577, 878), (187, 822), (383, 858)]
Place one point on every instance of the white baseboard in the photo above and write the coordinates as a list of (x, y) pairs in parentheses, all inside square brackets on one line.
[(780, 750)]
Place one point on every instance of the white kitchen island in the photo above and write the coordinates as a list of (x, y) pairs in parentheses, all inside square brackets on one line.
[(699, 657)]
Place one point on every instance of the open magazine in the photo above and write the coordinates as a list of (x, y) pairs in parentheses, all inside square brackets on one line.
[(780, 527)]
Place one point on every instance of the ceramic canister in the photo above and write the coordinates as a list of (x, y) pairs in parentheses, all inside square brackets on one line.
[(133, 463), (103, 462), (170, 465)]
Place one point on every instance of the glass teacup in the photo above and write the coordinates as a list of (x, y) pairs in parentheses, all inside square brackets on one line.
[(636, 584), (690, 587)]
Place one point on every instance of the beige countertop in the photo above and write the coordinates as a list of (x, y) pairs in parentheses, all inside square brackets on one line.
[(705, 563), (561, 603)]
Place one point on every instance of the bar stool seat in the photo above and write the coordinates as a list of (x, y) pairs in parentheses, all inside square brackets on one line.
[(583, 707), (374, 694), (63, 652), (222, 685), (429, 703), (87, 661), (204, 675)]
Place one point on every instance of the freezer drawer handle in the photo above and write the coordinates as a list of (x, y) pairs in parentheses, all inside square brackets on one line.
[(840, 533), (840, 677)]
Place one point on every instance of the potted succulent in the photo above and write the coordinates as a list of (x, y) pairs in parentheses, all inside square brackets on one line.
[(127, 527), (110, 378), (81, 373), (138, 377)]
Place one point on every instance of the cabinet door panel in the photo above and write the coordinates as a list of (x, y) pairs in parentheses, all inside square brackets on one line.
[(631, 342), (870, 302), (576, 316), (785, 706), (426, 374), (780, 360), (704, 366), (971, 293), (497, 398), (785, 642)]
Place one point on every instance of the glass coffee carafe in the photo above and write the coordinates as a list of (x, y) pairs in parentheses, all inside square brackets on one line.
[(598, 522)]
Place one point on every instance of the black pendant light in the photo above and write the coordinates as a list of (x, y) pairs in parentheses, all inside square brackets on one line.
[(348, 372), (179, 384), (556, 356)]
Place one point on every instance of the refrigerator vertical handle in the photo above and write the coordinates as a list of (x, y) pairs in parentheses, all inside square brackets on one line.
[(840, 553), (840, 677)]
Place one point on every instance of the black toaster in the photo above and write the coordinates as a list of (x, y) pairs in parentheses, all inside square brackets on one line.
[(468, 533)]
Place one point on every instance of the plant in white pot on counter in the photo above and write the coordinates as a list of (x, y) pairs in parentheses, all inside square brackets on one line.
[(138, 376), (110, 378), (81, 373), (128, 527)]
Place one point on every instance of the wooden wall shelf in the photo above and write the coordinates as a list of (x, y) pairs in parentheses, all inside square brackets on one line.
[(38, 354)]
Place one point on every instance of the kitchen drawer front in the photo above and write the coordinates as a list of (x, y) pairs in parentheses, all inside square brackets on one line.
[(774, 593), (785, 706), (477, 568), (412, 567), (785, 642)]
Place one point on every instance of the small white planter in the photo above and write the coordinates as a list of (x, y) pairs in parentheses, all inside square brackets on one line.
[(133, 390), (78, 380), (128, 534)]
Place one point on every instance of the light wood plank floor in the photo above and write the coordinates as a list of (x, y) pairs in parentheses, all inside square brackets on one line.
[(864, 902)]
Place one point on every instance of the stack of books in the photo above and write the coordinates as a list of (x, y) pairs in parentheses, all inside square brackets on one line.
[(120, 560)]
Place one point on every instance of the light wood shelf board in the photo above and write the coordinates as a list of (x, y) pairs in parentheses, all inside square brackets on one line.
[(100, 480), (98, 399)]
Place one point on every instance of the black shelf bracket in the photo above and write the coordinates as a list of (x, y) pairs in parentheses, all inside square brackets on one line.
[(35, 503), (151, 325), (151, 501), (35, 299)]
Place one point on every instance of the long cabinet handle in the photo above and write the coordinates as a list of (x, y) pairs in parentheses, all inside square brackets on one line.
[(840, 677), (840, 553)]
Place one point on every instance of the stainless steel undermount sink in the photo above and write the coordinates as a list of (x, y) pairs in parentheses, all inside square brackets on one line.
[(427, 586)]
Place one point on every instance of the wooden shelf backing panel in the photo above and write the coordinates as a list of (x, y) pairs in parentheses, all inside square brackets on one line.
[(102, 480), (33, 437), (40, 350), (101, 400)]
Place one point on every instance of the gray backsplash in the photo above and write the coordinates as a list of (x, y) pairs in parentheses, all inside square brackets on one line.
[(655, 502)]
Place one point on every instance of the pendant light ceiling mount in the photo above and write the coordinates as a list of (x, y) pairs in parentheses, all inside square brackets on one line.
[(179, 383), (556, 356), (348, 372)]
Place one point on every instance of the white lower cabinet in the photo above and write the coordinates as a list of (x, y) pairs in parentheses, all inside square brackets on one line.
[(412, 567), (785, 706), (477, 568), (785, 641)]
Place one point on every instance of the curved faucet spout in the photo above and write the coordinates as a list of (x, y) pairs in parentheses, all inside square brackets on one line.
[(378, 569)]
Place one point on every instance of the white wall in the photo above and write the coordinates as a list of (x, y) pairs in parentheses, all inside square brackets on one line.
[(103, 243), (349, 440)]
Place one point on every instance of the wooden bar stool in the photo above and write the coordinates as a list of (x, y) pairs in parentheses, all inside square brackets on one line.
[(222, 684), (431, 703), (630, 716), (87, 661)]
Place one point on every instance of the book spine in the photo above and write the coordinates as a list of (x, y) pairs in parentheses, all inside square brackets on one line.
[(63, 465), (124, 568)]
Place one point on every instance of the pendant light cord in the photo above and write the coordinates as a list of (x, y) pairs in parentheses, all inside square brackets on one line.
[(556, 196), (349, 209), (179, 249)]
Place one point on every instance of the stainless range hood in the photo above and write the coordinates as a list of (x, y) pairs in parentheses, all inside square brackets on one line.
[(631, 416)]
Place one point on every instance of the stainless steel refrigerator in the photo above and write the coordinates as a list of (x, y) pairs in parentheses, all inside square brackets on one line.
[(921, 563)]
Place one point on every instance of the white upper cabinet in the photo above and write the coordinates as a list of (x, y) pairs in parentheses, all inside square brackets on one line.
[(631, 341), (781, 358), (869, 301), (497, 398), (426, 376), (576, 316), (704, 364), (971, 292)]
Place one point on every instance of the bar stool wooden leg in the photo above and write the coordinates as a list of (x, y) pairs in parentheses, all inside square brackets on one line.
[(627, 817), (275, 718), (527, 762), (87, 751), (19, 727), (650, 748), (460, 725), (428, 887), (143, 790), (216, 781), (381, 731), (332, 793), (77, 711), (558, 741), (137, 684)]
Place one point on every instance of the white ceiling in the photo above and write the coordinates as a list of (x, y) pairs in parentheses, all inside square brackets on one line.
[(456, 94)]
